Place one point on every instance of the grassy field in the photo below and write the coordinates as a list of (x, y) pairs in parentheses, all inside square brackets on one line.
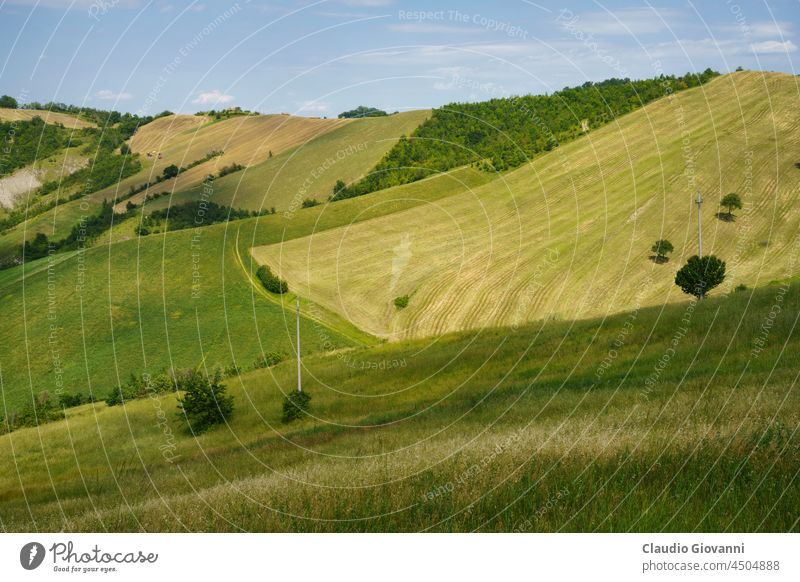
[(311, 169), (298, 144), (69, 121), (181, 140), (136, 310), (678, 418), (569, 235)]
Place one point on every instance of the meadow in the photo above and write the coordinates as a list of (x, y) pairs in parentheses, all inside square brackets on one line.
[(675, 418), (309, 170), (175, 299), (546, 240)]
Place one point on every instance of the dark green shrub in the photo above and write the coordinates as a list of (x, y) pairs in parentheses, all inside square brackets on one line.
[(700, 275), (271, 282), (269, 359), (70, 400), (310, 203), (401, 302), (295, 405), (205, 401)]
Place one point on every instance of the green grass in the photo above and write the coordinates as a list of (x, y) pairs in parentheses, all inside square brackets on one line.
[(311, 169), (569, 235), (137, 312), (492, 430)]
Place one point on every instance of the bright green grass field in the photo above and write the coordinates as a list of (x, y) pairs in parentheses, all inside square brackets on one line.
[(552, 427), (311, 169), (137, 311)]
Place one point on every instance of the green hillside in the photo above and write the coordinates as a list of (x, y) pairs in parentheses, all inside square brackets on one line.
[(568, 236), (507, 132), (311, 169), (136, 310), (600, 425)]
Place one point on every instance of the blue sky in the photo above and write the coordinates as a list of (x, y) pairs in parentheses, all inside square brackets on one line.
[(320, 58)]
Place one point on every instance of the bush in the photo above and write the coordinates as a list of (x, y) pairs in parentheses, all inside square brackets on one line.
[(225, 170), (310, 203), (401, 302), (70, 400), (271, 282), (269, 359), (205, 402), (295, 405), (170, 171)]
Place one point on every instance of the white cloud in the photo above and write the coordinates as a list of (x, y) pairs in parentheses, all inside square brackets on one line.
[(634, 21), (773, 46), (314, 107), (430, 28), (762, 29), (108, 95), (215, 97)]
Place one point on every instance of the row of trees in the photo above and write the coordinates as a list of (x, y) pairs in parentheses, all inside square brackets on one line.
[(505, 133)]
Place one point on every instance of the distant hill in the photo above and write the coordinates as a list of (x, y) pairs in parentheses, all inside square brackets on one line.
[(68, 121)]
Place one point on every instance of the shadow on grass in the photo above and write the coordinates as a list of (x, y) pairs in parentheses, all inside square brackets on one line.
[(659, 260), (725, 216)]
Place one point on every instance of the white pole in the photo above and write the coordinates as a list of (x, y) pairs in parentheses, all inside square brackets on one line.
[(299, 384), (699, 227), (699, 233)]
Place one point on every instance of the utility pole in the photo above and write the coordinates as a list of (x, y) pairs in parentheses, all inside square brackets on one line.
[(699, 233), (299, 382), (699, 227)]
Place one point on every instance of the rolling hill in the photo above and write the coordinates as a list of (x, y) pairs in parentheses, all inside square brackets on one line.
[(568, 235), (150, 303), (346, 153), (68, 121), (494, 430)]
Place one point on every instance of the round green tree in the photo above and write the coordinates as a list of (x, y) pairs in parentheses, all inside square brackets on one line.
[(700, 275), (732, 202), (661, 248)]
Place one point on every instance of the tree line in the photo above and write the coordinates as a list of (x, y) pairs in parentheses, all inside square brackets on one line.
[(505, 133)]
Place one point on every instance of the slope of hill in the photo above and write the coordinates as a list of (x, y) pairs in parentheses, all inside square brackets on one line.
[(535, 429), (68, 121), (311, 169), (245, 140), (171, 300), (553, 237), (181, 140)]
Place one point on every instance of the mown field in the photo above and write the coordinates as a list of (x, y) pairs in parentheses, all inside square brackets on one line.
[(136, 310), (678, 418), (181, 140), (311, 169), (575, 225), (68, 121)]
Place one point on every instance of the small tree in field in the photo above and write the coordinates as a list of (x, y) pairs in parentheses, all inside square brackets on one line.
[(295, 405), (205, 401), (171, 171), (700, 275), (661, 248), (732, 202)]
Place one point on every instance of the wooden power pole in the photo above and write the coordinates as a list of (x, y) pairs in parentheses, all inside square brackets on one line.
[(299, 366)]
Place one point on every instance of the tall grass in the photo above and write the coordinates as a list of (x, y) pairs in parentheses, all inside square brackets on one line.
[(496, 430)]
